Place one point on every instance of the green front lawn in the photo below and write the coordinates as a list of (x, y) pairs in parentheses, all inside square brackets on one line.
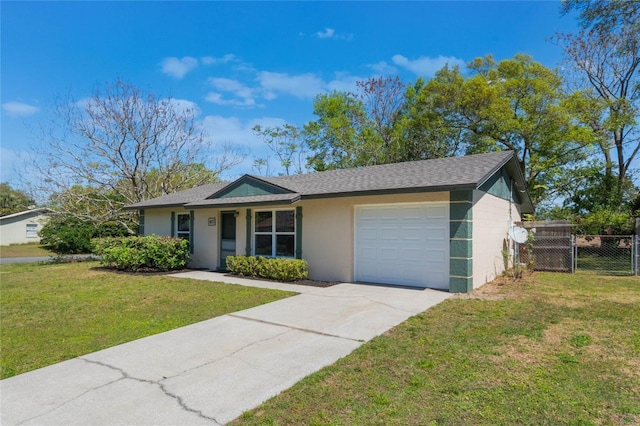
[(51, 313), (24, 250), (554, 349)]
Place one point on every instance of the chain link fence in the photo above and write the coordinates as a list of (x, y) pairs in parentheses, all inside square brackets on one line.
[(554, 248), (606, 254)]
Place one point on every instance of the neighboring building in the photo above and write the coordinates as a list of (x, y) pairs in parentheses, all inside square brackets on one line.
[(22, 227), (438, 223)]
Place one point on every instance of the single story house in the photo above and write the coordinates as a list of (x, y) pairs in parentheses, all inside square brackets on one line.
[(22, 227), (438, 223)]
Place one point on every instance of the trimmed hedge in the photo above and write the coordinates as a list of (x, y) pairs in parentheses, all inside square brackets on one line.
[(268, 267), (148, 253)]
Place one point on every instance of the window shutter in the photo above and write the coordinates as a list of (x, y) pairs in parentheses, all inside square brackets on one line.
[(141, 222), (249, 233), (173, 224), (299, 232), (191, 233)]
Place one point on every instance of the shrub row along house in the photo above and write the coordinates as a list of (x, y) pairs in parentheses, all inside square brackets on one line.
[(438, 223)]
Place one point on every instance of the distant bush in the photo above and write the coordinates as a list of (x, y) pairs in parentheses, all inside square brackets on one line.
[(268, 267), (150, 253), (69, 235)]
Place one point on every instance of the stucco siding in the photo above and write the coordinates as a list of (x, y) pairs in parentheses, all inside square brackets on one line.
[(158, 221), (328, 231), (14, 230), (492, 217)]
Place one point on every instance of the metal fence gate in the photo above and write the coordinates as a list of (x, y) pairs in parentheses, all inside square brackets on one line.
[(606, 254), (556, 249)]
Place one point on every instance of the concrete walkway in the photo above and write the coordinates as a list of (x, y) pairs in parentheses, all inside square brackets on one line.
[(41, 258), (209, 373)]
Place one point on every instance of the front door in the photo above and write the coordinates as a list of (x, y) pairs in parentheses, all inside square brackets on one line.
[(227, 237)]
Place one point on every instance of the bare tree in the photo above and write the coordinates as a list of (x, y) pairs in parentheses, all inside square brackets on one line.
[(124, 146)]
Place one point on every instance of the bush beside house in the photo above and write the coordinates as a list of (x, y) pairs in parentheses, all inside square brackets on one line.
[(268, 267), (150, 253)]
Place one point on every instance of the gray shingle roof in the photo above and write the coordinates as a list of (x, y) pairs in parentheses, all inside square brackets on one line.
[(445, 173), (440, 174), (180, 198)]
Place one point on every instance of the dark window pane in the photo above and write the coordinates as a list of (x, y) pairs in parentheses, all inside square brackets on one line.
[(285, 221), (228, 226), (285, 245), (263, 245), (263, 221), (183, 222)]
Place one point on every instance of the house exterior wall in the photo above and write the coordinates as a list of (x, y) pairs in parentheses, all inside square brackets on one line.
[(492, 217), (479, 225), (14, 230), (328, 231)]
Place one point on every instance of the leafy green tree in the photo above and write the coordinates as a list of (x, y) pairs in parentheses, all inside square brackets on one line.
[(604, 58), (13, 200), (356, 129), (63, 234), (428, 127), (516, 104)]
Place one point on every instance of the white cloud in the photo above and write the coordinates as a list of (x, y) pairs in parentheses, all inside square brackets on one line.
[(19, 109), (327, 33), (426, 66), (301, 86), (233, 86), (218, 99), (344, 82), (211, 60), (331, 33), (178, 68), (383, 68)]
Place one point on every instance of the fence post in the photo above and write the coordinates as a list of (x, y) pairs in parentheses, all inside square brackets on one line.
[(637, 254), (573, 254)]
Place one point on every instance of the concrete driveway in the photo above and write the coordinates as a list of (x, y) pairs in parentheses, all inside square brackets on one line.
[(209, 373)]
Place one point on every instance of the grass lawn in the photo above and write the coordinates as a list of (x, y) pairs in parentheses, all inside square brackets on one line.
[(24, 250), (52, 313), (555, 349)]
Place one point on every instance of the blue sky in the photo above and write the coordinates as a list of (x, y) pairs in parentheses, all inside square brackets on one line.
[(245, 63)]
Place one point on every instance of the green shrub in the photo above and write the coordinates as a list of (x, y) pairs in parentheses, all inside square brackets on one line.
[(268, 267), (148, 253), (69, 235)]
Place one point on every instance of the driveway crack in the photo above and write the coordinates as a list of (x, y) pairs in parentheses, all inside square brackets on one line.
[(321, 333), (177, 398)]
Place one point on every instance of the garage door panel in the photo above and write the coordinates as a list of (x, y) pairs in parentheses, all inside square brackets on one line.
[(389, 254), (389, 233), (404, 244)]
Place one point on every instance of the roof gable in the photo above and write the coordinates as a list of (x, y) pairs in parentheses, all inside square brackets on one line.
[(249, 186)]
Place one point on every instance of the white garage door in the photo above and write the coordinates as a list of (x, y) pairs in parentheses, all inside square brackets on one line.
[(404, 244)]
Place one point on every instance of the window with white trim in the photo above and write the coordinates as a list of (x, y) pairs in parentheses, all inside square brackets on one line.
[(182, 227), (274, 233), (32, 230)]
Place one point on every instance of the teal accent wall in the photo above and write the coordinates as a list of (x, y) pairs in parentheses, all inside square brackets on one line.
[(461, 241), (250, 187), (298, 232), (500, 185)]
